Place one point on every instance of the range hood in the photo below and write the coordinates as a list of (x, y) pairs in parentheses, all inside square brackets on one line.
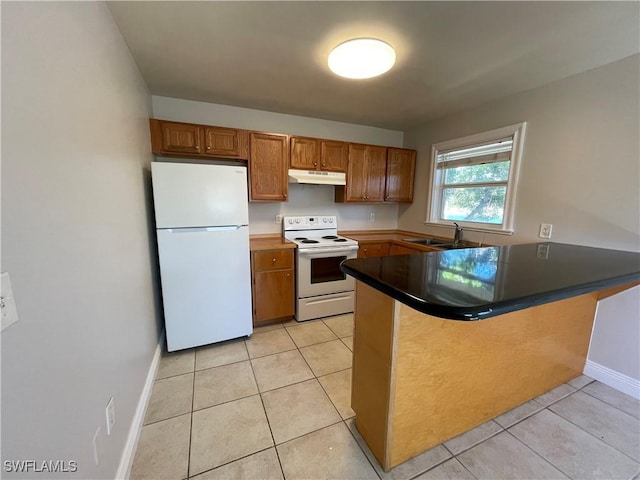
[(317, 177)]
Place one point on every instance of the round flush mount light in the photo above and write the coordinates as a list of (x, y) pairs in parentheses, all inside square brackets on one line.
[(362, 58)]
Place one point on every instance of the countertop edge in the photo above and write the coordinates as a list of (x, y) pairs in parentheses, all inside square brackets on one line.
[(269, 242), (473, 313)]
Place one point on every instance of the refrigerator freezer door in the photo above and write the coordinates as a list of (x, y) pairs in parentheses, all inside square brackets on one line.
[(199, 195), (206, 285)]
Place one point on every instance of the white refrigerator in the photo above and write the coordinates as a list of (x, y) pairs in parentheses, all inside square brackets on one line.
[(202, 224)]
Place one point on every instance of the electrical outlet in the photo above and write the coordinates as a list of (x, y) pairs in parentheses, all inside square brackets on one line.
[(111, 416), (372, 217), (7, 303), (545, 230), (278, 219)]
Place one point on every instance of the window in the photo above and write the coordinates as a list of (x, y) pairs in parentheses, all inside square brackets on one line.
[(474, 180)]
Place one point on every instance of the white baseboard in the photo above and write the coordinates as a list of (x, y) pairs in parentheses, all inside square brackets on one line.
[(124, 469), (614, 379)]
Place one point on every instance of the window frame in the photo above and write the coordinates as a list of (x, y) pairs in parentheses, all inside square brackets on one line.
[(436, 180)]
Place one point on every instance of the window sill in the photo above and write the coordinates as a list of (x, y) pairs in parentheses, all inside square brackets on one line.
[(471, 229)]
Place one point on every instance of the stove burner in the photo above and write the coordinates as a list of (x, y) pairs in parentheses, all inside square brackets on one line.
[(309, 241), (300, 238), (340, 240), (329, 237)]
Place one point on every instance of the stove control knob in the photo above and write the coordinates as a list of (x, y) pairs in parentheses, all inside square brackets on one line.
[(290, 221), (331, 220), (297, 220), (324, 220)]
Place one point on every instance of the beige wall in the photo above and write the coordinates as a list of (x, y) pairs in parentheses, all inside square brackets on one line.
[(303, 199), (75, 234), (608, 346), (580, 172), (580, 169)]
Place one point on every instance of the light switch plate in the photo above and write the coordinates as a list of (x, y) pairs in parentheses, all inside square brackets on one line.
[(7, 302)]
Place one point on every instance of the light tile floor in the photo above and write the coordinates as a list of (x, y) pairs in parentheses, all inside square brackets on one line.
[(277, 406)]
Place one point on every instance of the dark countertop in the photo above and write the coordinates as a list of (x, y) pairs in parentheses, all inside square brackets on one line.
[(478, 283)]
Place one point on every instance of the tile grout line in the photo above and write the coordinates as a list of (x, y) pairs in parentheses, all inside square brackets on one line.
[(604, 401), (344, 421), (193, 396), (362, 449), (596, 437), (316, 376), (230, 462), (538, 454), (466, 449), (314, 373), (264, 410)]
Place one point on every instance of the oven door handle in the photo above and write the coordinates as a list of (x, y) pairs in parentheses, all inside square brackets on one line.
[(311, 251)]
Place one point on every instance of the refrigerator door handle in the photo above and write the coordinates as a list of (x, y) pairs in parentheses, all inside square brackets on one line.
[(203, 229)]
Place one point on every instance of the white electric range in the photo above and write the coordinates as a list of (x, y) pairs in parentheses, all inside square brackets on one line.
[(322, 289)]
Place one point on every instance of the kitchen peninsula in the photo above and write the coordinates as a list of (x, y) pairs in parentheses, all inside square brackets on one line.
[(445, 341)]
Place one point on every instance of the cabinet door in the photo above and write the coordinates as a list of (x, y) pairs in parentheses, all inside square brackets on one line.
[(401, 164), (180, 137), (268, 165), (400, 250), (334, 156), (369, 250), (225, 142), (356, 188), (305, 153), (376, 160), (273, 295)]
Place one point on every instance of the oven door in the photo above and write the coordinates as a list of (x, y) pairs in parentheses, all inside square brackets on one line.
[(319, 271)]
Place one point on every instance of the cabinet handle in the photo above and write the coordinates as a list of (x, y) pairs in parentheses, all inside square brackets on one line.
[(365, 250), (285, 195), (315, 164), (273, 259), (288, 274), (208, 147)]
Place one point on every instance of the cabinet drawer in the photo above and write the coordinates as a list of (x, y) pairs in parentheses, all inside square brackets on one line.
[(369, 250), (272, 260)]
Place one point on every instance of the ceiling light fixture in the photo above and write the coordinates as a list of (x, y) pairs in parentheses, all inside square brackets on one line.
[(362, 58)]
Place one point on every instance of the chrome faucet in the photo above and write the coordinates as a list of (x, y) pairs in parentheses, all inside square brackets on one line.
[(458, 235)]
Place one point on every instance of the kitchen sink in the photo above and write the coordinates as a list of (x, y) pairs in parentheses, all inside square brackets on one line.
[(428, 241), (434, 242)]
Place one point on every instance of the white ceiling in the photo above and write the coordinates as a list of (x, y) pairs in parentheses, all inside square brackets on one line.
[(450, 55)]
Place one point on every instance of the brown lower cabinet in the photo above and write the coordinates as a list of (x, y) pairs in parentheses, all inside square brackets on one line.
[(402, 250), (368, 250), (383, 249), (273, 285)]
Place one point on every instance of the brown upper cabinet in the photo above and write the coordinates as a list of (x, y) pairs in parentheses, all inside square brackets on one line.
[(378, 174), (334, 156), (305, 153), (365, 174), (374, 173), (401, 165), (268, 167), (316, 154), (188, 139)]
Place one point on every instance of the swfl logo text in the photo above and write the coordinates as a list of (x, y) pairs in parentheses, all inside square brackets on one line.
[(60, 466)]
